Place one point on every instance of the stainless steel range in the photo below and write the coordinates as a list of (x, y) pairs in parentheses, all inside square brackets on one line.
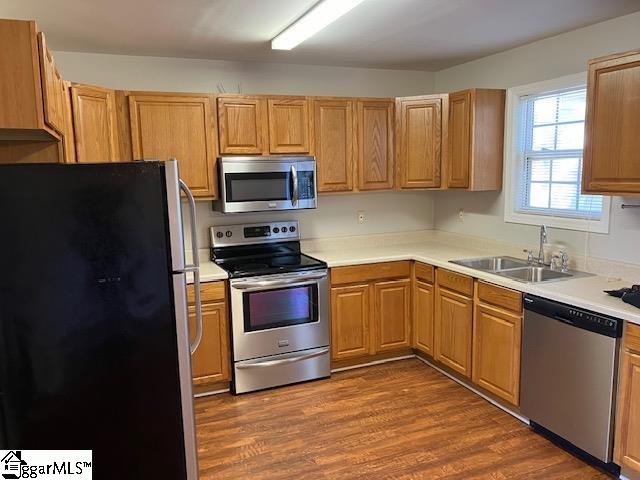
[(279, 305)]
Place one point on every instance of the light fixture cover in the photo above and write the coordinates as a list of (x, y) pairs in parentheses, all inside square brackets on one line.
[(321, 15)]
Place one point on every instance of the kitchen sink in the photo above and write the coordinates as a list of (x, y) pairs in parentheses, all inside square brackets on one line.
[(534, 274), (491, 264)]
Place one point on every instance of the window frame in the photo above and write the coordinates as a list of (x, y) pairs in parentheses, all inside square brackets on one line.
[(514, 161)]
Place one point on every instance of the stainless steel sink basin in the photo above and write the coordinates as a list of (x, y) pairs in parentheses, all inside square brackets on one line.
[(491, 264), (534, 274)]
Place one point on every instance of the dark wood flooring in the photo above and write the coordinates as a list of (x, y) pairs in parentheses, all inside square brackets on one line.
[(400, 420)]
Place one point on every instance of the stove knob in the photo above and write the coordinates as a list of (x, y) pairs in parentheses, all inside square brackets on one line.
[(219, 234), (228, 233), (284, 229), (292, 229), (276, 230)]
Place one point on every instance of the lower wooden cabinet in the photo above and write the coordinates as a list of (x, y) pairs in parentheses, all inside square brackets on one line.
[(627, 445), (423, 316), (392, 314), (211, 362), (453, 330), (496, 351), (350, 313)]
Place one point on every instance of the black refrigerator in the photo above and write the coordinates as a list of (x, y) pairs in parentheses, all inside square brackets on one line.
[(94, 343)]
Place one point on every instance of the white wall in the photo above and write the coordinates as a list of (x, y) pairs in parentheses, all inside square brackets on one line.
[(337, 215), (190, 75), (546, 59)]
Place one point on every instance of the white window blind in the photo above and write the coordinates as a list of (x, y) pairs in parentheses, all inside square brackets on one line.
[(552, 139)]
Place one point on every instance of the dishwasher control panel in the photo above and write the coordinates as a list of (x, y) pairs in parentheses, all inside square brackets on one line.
[(578, 317)]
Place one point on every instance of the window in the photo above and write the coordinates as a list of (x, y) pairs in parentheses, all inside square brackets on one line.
[(545, 158)]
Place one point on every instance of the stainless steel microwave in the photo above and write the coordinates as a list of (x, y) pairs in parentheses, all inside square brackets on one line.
[(255, 184)]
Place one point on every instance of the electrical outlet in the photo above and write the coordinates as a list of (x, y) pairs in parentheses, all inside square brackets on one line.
[(461, 215), (361, 217)]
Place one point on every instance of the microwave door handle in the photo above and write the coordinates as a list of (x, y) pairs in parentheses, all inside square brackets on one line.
[(195, 266), (294, 181)]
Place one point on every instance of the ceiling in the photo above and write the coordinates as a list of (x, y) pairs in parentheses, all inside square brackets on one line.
[(396, 34)]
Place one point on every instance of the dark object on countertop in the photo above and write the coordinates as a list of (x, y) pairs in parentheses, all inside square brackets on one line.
[(628, 295)]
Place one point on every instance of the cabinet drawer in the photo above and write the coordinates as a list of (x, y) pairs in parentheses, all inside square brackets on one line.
[(425, 272), (632, 337), (210, 292), (455, 281), (370, 272), (500, 296)]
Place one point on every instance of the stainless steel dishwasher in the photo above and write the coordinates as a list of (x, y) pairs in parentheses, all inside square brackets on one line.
[(568, 377)]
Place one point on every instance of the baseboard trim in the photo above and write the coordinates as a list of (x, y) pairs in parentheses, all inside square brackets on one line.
[(477, 392), (369, 364)]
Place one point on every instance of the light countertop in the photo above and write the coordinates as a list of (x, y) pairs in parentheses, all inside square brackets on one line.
[(585, 292)]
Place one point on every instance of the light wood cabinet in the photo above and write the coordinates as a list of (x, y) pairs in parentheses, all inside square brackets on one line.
[(453, 330), (611, 164), (423, 316), (288, 125), (177, 126), (496, 351), (375, 144), (370, 310), (211, 362), (475, 139), (52, 87), (419, 136), (242, 125), (627, 444), (392, 314), (334, 132), (350, 324), (94, 123)]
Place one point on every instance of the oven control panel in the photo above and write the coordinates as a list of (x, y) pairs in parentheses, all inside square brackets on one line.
[(245, 234)]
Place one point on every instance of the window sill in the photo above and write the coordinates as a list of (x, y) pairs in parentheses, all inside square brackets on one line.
[(583, 225)]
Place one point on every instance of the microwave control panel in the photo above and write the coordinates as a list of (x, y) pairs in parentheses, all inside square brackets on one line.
[(306, 188)]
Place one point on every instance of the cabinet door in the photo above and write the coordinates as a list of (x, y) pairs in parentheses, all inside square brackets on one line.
[(242, 125), (375, 144), (459, 156), (288, 125), (496, 352), (419, 142), (94, 124), (334, 131), (392, 313), (68, 142), (51, 87), (423, 316), (453, 328), (176, 126), (612, 143), (210, 362), (628, 421), (350, 313)]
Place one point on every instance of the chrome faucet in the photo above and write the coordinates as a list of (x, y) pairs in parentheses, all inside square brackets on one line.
[(543, 241)]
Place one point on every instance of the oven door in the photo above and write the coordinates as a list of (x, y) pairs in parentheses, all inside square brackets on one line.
[(251, 184), (276, 314)]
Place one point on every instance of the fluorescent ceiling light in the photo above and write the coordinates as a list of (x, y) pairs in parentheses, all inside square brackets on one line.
[(321, 15)]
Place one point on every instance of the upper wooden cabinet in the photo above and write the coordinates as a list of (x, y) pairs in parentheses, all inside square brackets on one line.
[(30, 85), (419, 135), (334, 131), (475, 139), (177, 126), (375, 144), (242, 125), (288, 125), (611, 163), (94, 124)]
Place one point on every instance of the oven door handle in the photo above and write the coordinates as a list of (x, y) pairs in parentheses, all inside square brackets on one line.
[(291, 282), (283, 361)]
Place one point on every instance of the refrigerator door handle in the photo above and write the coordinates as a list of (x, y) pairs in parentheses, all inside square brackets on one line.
[(194, 268)]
